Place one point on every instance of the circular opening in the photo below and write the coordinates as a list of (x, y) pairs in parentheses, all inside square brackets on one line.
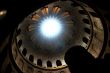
[(19, 43), (87, 30), (85, 40), (49, 64), (24, 52), (58, 62), (31, 58), (39, 62), (50, 26), (86, 21)]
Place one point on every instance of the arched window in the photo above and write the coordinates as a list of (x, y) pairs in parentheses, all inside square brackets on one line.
[(39, 62), (31, 58), (58, 62), (49, 64), (24, 52), (19, 43)]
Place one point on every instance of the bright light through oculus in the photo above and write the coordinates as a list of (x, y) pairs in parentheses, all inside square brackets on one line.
[(50, 27)]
